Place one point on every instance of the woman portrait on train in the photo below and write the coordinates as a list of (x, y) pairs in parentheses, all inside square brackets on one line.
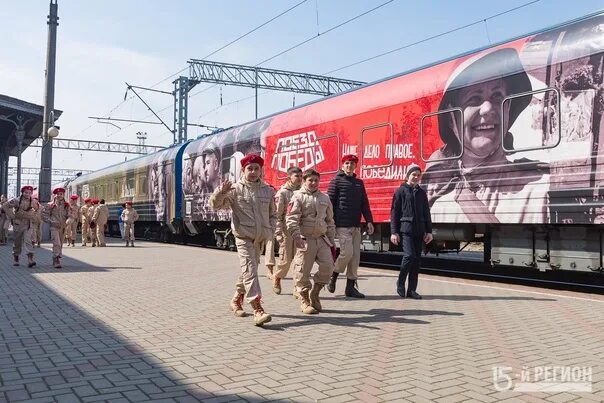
[(480, 182)]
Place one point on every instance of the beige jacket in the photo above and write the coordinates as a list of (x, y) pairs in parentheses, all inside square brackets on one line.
[(254, 212), (310, 214), (22, 212), (129, 216), (74, 212), (101, 214), (56, 214), (84, 212), (283, 197)]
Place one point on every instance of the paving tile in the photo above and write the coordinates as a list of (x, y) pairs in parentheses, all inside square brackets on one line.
[(152, 324)]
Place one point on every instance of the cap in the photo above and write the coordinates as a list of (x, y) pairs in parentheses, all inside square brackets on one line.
[(58, 190), (252, 159), (350, 157), (413, 168)]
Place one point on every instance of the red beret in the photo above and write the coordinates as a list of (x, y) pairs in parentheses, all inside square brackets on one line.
[(252, 159), (74, 197), (58, 190), (95, 201), (27, 187), (87, 200), (129, 203), (350, 157)]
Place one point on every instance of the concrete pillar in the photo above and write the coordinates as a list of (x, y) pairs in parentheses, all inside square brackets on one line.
[(4, 172), (20, 135)]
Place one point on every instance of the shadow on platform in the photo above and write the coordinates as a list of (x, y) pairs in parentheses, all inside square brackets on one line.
[(51, 349)]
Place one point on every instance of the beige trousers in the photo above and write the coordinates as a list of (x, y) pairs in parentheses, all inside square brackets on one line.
[(350, 251), (249, 257), (129, 231), (317, 250), (287, 251), (23, 235), (269, 253), (71, 229), (100, 233), (85, 231), (56, 237)]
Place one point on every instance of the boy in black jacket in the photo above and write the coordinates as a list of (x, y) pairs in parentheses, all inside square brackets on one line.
[(410, 222)]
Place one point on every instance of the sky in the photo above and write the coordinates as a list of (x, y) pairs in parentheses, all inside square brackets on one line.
[(103, 44)]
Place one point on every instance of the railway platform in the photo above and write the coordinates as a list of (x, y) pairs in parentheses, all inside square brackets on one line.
[(151, 323)]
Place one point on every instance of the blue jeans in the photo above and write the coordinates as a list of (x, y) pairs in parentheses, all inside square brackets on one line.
[(412, 252)]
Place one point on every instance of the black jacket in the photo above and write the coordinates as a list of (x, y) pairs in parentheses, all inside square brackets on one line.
[(410, 212), (349, 199)]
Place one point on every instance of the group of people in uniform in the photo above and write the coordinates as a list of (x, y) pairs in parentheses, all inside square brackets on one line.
[(306, 222), (26, 215)]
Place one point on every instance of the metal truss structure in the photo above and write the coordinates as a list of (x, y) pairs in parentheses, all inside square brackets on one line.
[(55, 172), (102, 146), (248, 76)]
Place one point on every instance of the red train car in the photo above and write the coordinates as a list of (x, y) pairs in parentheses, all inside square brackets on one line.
[(510, 137)]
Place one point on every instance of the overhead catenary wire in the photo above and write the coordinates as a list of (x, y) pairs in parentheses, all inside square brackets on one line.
[(482, 20), (210, 54)]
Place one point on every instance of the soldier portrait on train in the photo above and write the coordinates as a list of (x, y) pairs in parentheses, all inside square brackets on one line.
[(159, 183), (474, 177)]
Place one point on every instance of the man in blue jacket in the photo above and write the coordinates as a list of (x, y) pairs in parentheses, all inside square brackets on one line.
[(349, 199), (410, 223)]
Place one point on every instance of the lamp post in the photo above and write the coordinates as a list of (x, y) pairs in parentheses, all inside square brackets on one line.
[(49, 130)]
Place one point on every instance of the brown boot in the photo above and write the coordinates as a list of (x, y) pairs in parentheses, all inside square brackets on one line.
[(269, 272), (314, 296), (277, 285), (260, 317), (56, 262), (16, 263), (236, 305), (30, 260), (305, 305)]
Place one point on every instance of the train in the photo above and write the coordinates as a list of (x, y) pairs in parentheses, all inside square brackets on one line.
[(510, 139)]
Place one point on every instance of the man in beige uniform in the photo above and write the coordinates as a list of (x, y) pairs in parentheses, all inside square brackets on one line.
[(129, 216), (37, 224), (287, 249), (84, 217), (100, 217), (4, 221), (56, 213), (311, 224), (253, 222), (22, 211), (71, 228), (92, 225)]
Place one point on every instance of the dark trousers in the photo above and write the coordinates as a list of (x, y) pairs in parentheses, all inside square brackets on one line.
[(412, 251)]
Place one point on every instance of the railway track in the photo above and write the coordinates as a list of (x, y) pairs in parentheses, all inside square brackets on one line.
[(470, 265)]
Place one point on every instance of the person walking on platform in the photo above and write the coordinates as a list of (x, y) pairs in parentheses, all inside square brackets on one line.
[(349, 199), (37, 224), (129, 217), (71, 228), (269, 252), (120, 221), (4, 221), (55, 214), (92, 226), (253, 222), (287, 248), (100, 217), (85, 223), (311, 224), (410, 222), (22, 212)]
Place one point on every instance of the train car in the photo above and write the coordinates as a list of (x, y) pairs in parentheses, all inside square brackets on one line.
[(151, 183), (510, 138)]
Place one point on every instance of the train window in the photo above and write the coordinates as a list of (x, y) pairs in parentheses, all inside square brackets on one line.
[(306, 151), (143, 185), (431, 134), (539, 114), (376, 146)]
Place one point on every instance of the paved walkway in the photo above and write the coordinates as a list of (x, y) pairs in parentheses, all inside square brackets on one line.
[(151, 323)]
